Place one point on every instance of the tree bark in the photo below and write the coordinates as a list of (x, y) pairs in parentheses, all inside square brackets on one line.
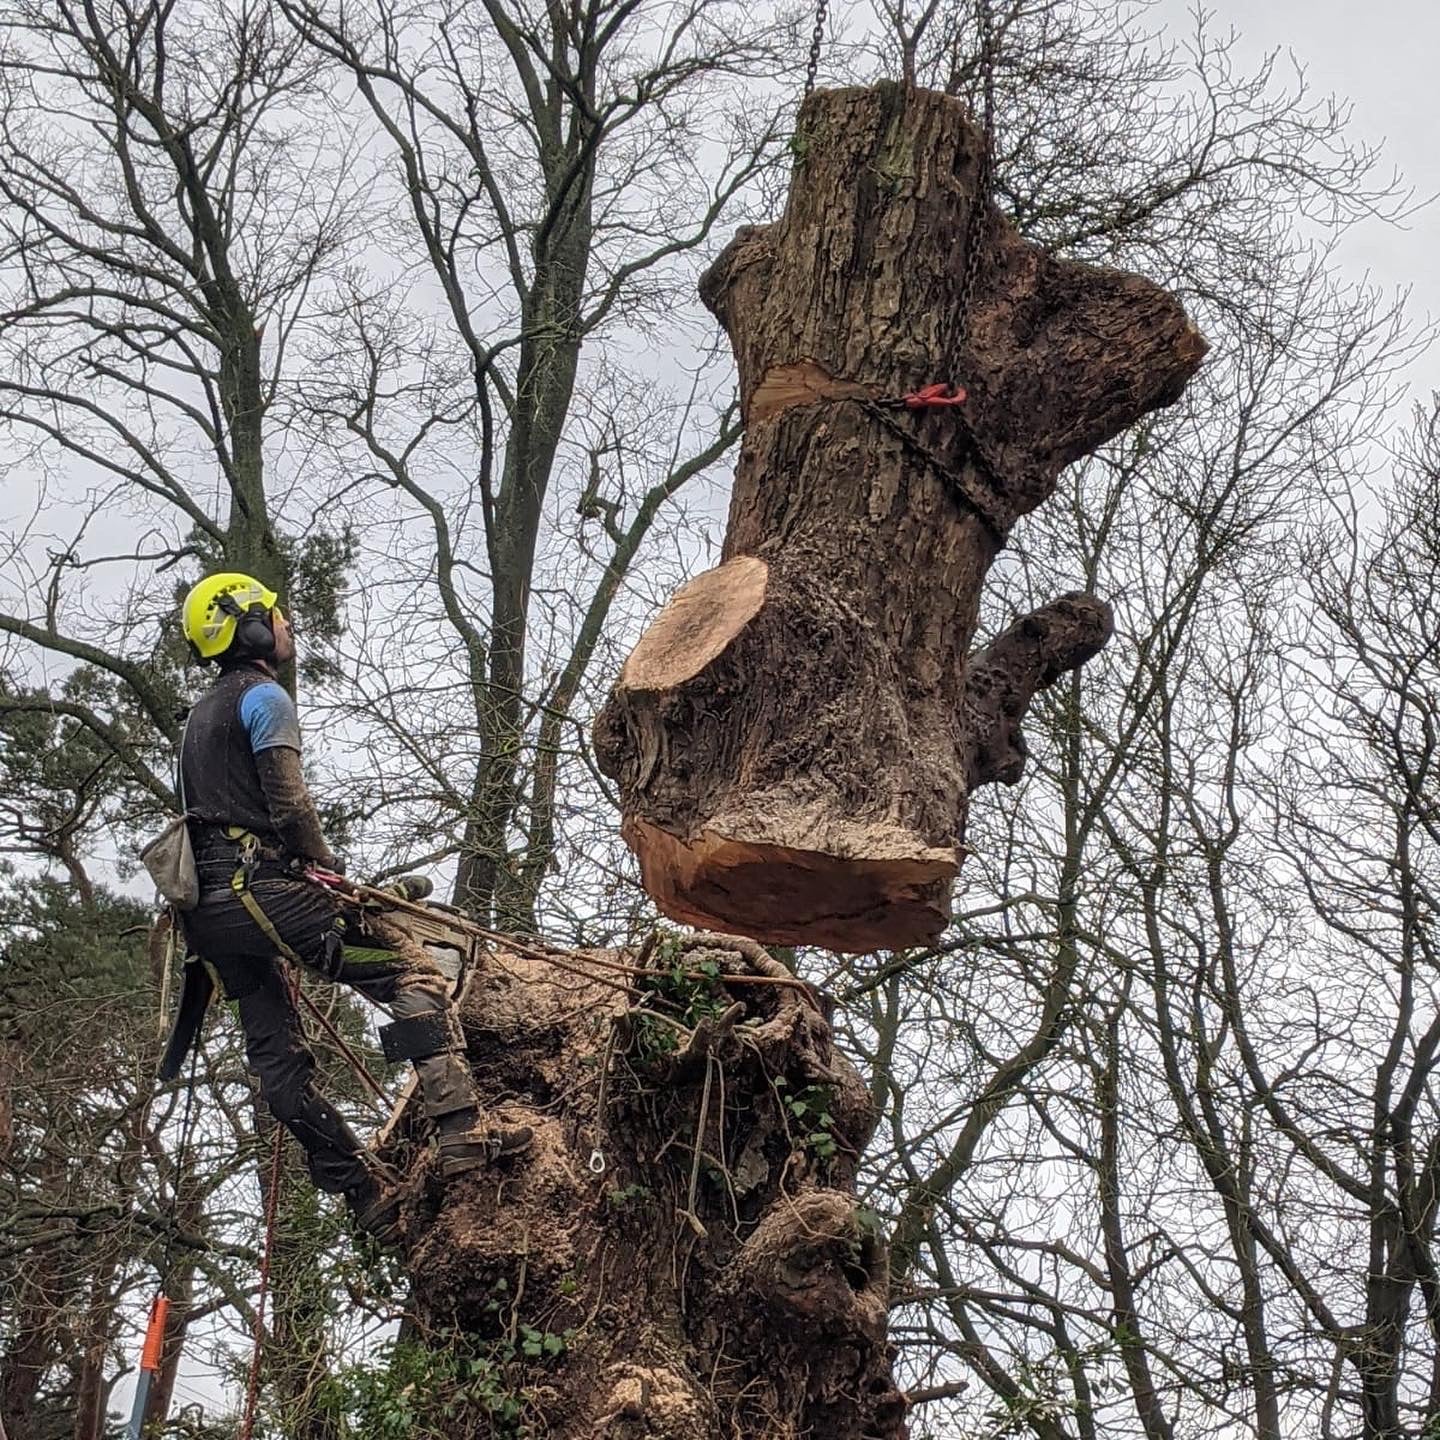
[(180, 1287), (486, 884), (28, 1355), (797, 736), (742, 1295)]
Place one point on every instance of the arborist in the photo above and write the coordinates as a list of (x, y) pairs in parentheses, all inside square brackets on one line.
[(254, 831)]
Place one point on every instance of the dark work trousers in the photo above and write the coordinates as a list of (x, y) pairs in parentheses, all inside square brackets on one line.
[(342, 944)]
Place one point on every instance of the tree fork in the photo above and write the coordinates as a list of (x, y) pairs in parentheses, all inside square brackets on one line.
[(797, 735)]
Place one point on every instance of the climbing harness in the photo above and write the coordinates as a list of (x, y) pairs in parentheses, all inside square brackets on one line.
[(249, 858)]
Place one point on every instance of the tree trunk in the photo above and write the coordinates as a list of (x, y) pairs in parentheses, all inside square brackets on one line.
[(486, 885), (743, 1296), (38, 1334), (295, 1351), (91, 1391), (28, 1355), (189, 1215), (797, 736)]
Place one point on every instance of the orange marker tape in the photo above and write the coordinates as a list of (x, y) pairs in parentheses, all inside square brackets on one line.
[(155, 1333)]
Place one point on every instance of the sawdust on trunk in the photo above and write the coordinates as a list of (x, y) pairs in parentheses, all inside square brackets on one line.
[(716, 1278)]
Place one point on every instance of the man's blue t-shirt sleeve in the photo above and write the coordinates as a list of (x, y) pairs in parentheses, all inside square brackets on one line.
[(268, 715)]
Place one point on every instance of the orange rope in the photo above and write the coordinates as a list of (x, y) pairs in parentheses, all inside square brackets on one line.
[(272, 1202)]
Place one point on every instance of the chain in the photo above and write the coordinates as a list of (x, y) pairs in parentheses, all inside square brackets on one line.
[(817, 39), (987, 497), (987, 503), (959, 326)]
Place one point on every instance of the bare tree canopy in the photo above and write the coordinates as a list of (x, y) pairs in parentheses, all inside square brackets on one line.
[(396, 306)]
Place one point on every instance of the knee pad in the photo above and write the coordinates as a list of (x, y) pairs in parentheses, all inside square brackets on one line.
[(421, 1036)]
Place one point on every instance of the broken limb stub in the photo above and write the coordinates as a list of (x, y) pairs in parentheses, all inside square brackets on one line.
[(797, 736)]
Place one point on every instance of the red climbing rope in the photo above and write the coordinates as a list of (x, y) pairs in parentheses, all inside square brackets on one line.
[(252, 1389)]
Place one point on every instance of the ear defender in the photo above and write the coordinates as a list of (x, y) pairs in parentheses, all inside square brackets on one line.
[(254, 634)]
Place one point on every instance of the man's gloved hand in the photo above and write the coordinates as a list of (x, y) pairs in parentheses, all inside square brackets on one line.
[(410, 887)]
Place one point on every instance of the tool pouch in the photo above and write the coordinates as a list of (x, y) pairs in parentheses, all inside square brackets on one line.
[(170, 859)]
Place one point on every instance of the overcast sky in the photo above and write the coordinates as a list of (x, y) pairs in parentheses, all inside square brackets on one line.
[(1380, 54)]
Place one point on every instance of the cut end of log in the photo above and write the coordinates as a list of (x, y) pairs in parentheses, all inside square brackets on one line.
[(786, 895), (700, 620), (804, 383)]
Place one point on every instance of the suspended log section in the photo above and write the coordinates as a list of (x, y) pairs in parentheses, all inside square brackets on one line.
[(797, 736)]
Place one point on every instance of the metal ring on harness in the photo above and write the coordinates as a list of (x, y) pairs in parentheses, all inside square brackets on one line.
[(240, 886)]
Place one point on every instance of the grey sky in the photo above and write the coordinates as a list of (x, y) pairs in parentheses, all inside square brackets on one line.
[(1381, 55)]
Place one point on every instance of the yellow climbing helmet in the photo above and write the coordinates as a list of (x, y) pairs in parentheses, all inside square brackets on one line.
[(213, 609)]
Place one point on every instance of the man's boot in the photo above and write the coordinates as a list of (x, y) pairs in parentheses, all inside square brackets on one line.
[(375, 1204), (467, 1143), (339, 1163), (433, 1041)]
